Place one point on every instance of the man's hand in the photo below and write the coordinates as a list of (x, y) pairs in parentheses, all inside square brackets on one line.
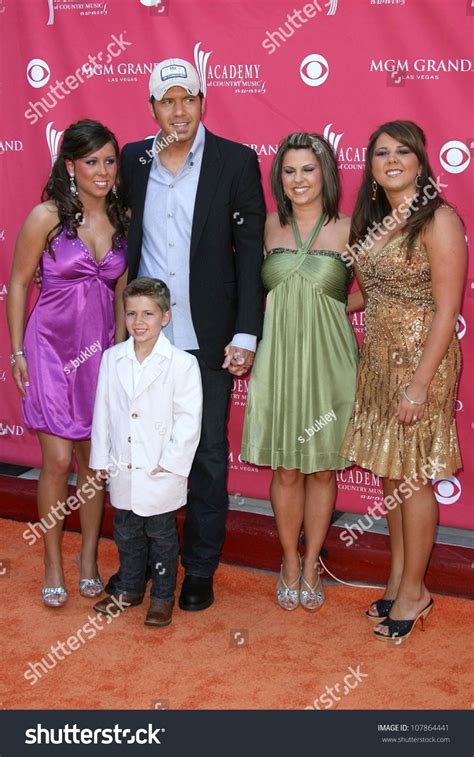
[(237, 360)]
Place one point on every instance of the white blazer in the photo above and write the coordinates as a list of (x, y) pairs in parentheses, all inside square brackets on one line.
[(157, 424)]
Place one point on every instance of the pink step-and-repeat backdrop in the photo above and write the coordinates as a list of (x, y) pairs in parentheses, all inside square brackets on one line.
[(269, 67)]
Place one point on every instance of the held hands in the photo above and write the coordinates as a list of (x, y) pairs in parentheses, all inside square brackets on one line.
[(412, 403), (237, 360), (20, 374)]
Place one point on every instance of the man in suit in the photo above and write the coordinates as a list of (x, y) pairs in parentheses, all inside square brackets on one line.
[(197, 219)]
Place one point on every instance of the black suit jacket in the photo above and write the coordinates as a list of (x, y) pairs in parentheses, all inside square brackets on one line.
[(226, 252)]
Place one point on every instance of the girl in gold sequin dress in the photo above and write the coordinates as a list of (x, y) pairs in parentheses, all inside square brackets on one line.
[(410, 260)]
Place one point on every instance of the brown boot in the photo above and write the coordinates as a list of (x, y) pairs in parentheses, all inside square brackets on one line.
[(159, 613), (115, 604)]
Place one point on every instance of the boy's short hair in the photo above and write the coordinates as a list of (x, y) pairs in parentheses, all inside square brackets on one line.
[(155, 289)]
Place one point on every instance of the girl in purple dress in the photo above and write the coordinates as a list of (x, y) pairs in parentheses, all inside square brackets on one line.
[(77, 236)]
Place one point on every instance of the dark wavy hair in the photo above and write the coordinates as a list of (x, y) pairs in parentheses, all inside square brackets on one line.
[(78, 141), (327, 160), (368, 212)]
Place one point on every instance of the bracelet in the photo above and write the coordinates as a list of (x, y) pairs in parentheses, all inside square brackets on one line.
[(412, 402), (15, 355)]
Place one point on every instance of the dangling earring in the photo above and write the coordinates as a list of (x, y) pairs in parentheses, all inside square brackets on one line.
[(115, 191), (418, 181), (374, 190), (72, 185)]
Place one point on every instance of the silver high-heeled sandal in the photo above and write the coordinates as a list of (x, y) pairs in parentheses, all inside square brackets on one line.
[(54, 596), (288, 597), (90, 587), (310, 598)]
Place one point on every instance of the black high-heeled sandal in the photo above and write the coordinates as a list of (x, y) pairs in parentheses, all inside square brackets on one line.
[(383, 607), (399, 630)]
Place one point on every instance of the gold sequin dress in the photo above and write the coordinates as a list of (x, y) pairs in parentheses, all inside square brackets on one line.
[(399, 312)]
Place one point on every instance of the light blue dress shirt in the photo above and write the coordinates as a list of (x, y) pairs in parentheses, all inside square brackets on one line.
[(167, 226)]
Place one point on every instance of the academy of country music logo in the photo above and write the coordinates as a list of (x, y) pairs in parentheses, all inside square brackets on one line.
[(53, 137), (366, 484), (238, 393), (420, 68), (357, 320), (455, 156), (447, 490), (82, 7), (348, 156), (236, 76)]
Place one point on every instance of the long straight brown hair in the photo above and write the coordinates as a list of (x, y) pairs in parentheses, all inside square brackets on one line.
[(368, 212)]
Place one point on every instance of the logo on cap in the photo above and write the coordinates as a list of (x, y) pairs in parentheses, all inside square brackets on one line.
[(173, 72)]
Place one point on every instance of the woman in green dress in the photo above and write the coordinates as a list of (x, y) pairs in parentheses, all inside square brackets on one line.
[(302, 386)]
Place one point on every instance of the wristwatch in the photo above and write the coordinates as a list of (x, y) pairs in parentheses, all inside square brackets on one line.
[(14, 355)]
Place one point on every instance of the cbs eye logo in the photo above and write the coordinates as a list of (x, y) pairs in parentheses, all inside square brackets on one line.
[(314, 70), (447, 490), (454, 156), (38, 73)]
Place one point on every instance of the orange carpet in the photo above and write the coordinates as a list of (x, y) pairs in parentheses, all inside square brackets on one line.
[(242, 653)]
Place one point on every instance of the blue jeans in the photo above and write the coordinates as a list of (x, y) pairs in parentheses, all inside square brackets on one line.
[(141, 541)]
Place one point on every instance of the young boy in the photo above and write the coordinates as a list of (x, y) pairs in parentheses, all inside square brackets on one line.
[(147, 423)]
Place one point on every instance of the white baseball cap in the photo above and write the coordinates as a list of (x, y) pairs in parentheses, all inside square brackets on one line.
[(174, 72)]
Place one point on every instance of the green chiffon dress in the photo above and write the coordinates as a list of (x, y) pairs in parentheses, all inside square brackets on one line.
[(302, 386)]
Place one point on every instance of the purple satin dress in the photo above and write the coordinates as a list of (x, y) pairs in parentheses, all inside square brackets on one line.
[(70, 326)]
